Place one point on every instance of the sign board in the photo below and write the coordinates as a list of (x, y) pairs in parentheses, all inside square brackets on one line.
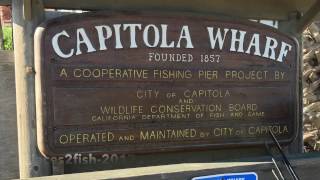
[(146, 82), (230, 176)]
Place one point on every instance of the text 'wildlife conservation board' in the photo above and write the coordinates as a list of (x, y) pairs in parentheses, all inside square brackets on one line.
[(143, 82)]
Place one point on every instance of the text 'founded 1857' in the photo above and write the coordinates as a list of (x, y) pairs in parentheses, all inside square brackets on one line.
[(144, 83)]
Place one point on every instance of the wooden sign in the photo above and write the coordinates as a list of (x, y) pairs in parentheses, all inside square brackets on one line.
[(140, 83)]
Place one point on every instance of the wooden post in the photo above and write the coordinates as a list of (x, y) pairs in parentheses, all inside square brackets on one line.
[(31, 163), (308, 17), (289, 27)]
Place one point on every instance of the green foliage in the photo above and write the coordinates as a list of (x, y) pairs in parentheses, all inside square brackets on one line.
[(7, 38)]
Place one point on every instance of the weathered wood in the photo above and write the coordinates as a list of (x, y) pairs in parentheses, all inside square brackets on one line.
[(92, 3), (30, 162), (262, 9), (57, 167), (306, 166), (27, 11), (308, 17), (286, 27), (60, 118)]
